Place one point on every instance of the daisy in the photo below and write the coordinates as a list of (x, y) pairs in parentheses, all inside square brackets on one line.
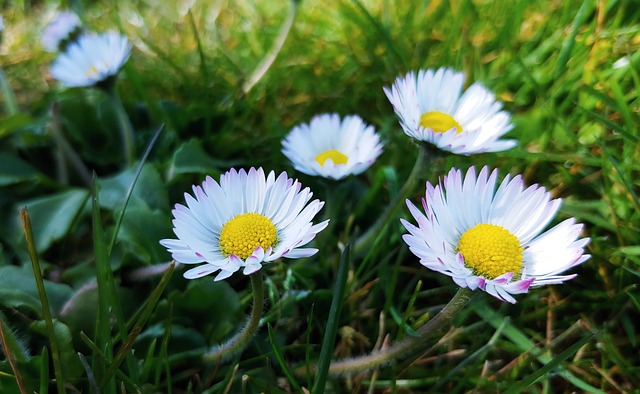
[(62, 29), (92, 59), (490, 239), (432, 108), (332, 148), (242, 222)]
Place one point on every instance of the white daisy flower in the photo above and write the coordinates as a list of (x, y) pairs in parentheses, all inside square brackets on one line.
[(332, 148), (490, 239), (62, 27), (91, 59), (242, 222), (432, 108)]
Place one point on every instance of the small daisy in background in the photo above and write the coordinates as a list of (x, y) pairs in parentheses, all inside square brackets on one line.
[(63, 29), (242, 222), (432, 108), (92, 59), (491, 239), (332, 148)]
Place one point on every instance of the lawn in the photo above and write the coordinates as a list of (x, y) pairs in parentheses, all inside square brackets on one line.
[(90, 300)]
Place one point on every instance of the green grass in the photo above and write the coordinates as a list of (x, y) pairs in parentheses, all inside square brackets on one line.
[(556, 67)]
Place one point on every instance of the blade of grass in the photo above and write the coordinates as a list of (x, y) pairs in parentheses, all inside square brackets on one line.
[(106, 291), (46, 311), (44, 371), (521, 385), (90, 376), (333, 321), (137, 327), (307, 353), (283, 364), (624, 108), (143, 160), (567, 45), (204, 72), (407, 312)]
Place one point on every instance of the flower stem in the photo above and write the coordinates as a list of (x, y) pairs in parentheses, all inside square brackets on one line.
[(126, 129), (241, 340), (410, 345), (366, 239)]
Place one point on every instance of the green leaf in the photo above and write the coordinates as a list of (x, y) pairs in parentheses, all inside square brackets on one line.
[(149, 190), (206, 299), (191, 157), (12, 123), (52, 216), (142, 228), (14, 170), (72, 367), (18, 289)]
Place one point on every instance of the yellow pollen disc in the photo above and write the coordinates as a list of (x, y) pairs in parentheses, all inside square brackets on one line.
[(490, 250), (439, 122), (242, 234), (334, 155), (93, 71)]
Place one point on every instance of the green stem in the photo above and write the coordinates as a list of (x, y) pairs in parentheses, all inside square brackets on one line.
[(46, 312), (408, 346), (241, 340), (366, 239), (9, 97), (65, 147), (126, 130)]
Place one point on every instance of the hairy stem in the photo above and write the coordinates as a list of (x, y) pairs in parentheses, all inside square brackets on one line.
[(407, 347)]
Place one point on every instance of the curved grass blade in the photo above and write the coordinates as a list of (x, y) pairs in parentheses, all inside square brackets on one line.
[(270, 57), (133, 184)]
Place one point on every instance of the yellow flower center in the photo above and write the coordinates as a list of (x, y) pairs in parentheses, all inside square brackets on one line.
[(439, 122), (242, 234), (334, 155), (490, 250), (92, 72)]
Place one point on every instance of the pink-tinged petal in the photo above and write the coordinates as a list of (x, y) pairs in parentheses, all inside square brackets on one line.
[(258, 255), (235, 263), (457, 203), (250, 269)]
